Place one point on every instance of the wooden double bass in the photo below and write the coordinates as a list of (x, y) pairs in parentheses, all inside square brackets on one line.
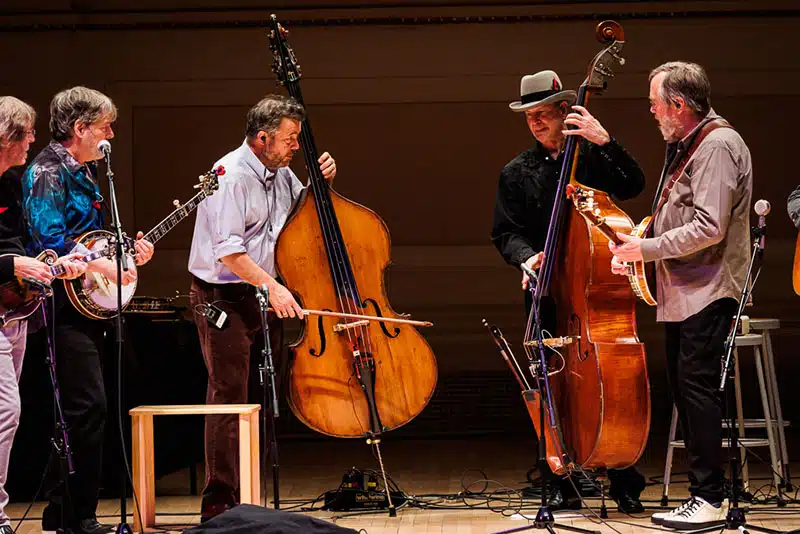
[(599, 416), (349, 377)]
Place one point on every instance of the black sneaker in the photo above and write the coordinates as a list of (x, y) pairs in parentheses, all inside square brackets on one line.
[(6, 529)]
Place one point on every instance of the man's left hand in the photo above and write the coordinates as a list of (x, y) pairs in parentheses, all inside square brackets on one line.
[(630, 250), (144, 249), (328, 166), (73, 266), (586, 126)]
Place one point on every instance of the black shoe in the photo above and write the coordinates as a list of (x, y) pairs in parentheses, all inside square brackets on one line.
[(6, 529), (563, 499), (628, 503), (92, 526)]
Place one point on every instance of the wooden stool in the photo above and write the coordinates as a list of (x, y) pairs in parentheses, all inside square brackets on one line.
[(143, 456)]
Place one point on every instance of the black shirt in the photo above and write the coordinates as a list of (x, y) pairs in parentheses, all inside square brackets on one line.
[(527, 187), (12, 222)]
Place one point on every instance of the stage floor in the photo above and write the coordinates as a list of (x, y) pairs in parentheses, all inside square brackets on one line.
[(436, 473)]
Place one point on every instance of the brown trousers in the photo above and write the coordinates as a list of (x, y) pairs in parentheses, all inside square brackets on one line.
[(228, 353)]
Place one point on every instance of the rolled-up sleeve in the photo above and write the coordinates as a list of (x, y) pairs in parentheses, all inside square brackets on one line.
[(713, 183), (226, 214)]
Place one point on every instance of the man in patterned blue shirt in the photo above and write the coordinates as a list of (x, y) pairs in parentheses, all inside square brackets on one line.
[(62, 200)]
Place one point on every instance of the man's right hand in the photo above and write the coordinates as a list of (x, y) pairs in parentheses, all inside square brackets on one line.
[(108, 269), (283, 302), (618, 267), (534, 262), (25, 267)]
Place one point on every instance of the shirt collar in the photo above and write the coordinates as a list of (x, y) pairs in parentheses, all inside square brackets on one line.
[(255, 164), (687, 140), (66, 158)]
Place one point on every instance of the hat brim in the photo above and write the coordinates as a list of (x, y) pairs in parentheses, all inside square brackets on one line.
[(563, 96)]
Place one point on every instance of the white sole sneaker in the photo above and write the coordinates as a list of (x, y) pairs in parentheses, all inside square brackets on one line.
[(659, 517), (698, 514)]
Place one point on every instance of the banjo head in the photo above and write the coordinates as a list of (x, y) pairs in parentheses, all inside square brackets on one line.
[(96, 294)]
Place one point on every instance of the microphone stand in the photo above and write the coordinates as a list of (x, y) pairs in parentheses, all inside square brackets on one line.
[(544, 516), (267, 371), (122, 265), (60, 439), (735, 518)]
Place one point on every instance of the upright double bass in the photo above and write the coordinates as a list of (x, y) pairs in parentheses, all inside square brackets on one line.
[(348, 377), (599, 416)]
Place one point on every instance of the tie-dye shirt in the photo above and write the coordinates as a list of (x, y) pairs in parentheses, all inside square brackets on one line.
[(61, 200)]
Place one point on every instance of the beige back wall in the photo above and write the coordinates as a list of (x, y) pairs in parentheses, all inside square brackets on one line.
[(416, 115)]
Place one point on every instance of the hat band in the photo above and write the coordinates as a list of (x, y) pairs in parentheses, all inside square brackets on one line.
[(535, 97)]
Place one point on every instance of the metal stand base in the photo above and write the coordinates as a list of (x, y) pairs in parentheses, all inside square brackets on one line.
[(545, 521)]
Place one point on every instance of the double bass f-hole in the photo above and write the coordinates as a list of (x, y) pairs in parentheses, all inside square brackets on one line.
[(380, 314), (322, 342), (574, 329)]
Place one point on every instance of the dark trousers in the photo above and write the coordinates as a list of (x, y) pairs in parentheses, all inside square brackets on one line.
[(79, 371), (228, 353), (694, 350), (627, 480)]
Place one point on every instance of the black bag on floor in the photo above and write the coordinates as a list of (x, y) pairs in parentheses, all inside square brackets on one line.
[(252, 519)]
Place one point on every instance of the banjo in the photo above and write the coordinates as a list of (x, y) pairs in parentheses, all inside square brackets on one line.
[(94, 295), (641, 275)]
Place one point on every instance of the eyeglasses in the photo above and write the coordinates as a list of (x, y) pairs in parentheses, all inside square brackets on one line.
[(22, 134)]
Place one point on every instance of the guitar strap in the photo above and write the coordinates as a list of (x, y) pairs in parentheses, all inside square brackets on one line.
[(679, 163)]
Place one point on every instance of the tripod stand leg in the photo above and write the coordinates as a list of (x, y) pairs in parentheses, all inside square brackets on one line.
[(549, 526)]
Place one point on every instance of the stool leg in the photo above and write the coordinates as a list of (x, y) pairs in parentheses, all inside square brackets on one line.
[(737, 384), (767, 418), (255, 459), (245, 473), (144, 478), (772, 383), (673, 429), (248, 451)]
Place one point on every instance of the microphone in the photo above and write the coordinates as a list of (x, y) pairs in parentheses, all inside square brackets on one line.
[(762, 209), (530, 272), (104, 147)]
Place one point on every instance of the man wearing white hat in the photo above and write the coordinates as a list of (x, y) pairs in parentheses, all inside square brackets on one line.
[(525, 197)]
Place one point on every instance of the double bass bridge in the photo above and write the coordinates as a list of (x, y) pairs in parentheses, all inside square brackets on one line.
[(342, 327)]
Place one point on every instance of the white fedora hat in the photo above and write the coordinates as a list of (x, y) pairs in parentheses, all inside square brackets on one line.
[(539, 89)]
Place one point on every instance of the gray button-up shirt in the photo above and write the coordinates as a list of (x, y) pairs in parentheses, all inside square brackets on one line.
[(246, 214), (701, 242)]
